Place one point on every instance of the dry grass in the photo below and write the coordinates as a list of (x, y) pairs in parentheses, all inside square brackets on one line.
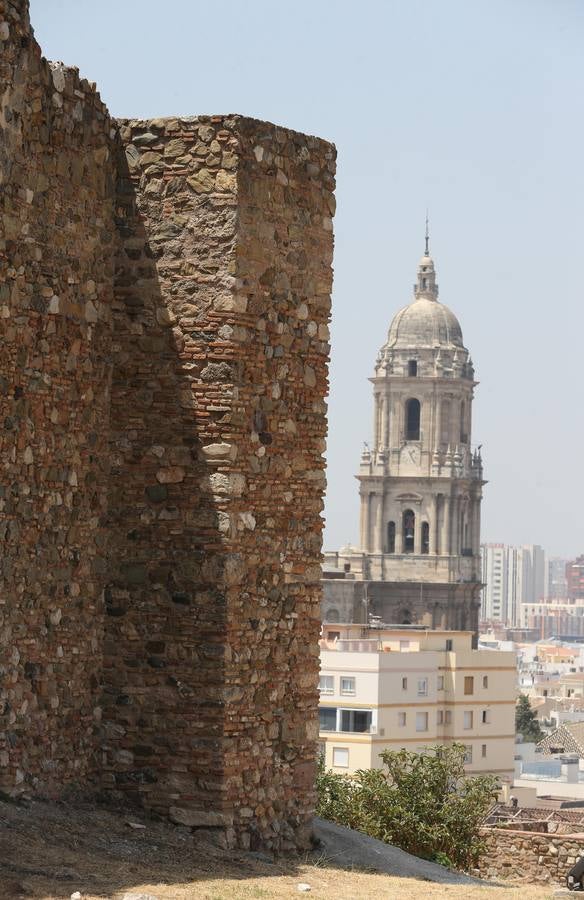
[(49, 851), (335, 884)]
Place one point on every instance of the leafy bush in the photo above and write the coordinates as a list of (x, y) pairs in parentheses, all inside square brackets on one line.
[(422, 802), (526, 722)]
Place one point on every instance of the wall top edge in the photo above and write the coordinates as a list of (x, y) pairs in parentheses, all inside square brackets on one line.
[(235, 121)]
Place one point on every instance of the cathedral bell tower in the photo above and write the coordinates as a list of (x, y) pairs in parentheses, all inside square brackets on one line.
[(420, 481)]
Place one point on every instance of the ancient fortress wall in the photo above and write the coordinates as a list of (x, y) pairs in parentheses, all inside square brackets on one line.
[(529, 857), (165, 300), (56, 281)]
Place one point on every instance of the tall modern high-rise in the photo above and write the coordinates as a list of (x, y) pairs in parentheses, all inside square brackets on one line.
[(420, 481), (494, 560), (557, 585), (511, 576), (575, 578)]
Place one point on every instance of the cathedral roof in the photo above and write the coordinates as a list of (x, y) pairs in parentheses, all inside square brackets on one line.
[(425, 322)]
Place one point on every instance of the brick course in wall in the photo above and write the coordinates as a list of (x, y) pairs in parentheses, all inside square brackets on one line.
[(166, 307)]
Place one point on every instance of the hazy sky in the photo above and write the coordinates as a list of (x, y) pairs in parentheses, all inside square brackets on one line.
[(473, 109)]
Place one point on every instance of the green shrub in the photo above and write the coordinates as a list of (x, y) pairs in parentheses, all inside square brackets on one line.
[(526, 722), (421, 802)]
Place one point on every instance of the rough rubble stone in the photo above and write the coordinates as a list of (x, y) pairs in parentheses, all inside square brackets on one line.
[(161, 434)]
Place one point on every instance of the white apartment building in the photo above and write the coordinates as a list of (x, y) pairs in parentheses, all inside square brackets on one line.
[(412, 688), (494, 577), (511, 577)]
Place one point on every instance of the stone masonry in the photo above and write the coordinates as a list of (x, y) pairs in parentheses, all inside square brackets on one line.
[(529, 857), (164, 306)]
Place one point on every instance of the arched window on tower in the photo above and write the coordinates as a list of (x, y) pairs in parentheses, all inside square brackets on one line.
[(445, 423), (463, 434), (412, 420), (408, 525), (391, 537), (425, 537)]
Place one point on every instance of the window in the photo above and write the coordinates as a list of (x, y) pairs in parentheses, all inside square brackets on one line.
[(422, 721), (468, 754), (412, 368), (327, 684), (408, 526), (333, 635), (468, 720), (486, 716), (413, 420), (347, 685), (328, 718), (341, 757), (483, 750), (448, 717), (356, 721), (440, 717), (445, 422), (448, 645), (425, 537), (404, 645), (468, 684), (401, 719), (441, 682), (391, 537), (422, 687), (485, 681), (463, 434), (404, 684)]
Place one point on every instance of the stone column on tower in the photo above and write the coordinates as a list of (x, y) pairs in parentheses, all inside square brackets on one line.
[(434, 539), (445, 538), (378, 534)]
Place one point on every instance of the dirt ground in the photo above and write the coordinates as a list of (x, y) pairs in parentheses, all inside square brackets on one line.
[(50, 851)]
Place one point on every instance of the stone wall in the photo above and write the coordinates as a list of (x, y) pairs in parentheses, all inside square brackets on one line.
[(218, 427), (163, 461), (530, 857), (56, 277)]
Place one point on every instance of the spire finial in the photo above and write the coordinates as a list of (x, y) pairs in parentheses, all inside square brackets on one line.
[(427, 251)]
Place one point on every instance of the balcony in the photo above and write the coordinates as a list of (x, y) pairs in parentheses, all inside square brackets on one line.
[(346, 721)]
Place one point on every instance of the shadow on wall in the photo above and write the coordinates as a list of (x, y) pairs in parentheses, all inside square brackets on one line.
[(165, 608)]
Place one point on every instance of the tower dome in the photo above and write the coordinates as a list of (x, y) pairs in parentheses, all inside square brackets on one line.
[(425, 322)]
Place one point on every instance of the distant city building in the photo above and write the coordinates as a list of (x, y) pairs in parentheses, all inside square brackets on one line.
[(511, 577), (557, 585), (410, 688), (575, 579), (494, 577), (418, 559), (554, 618)]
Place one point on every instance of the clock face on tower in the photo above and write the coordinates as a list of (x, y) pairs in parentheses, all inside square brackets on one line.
[(411, 455)]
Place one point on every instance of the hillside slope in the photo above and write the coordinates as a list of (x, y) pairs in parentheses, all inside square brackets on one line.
[(51, 850)]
